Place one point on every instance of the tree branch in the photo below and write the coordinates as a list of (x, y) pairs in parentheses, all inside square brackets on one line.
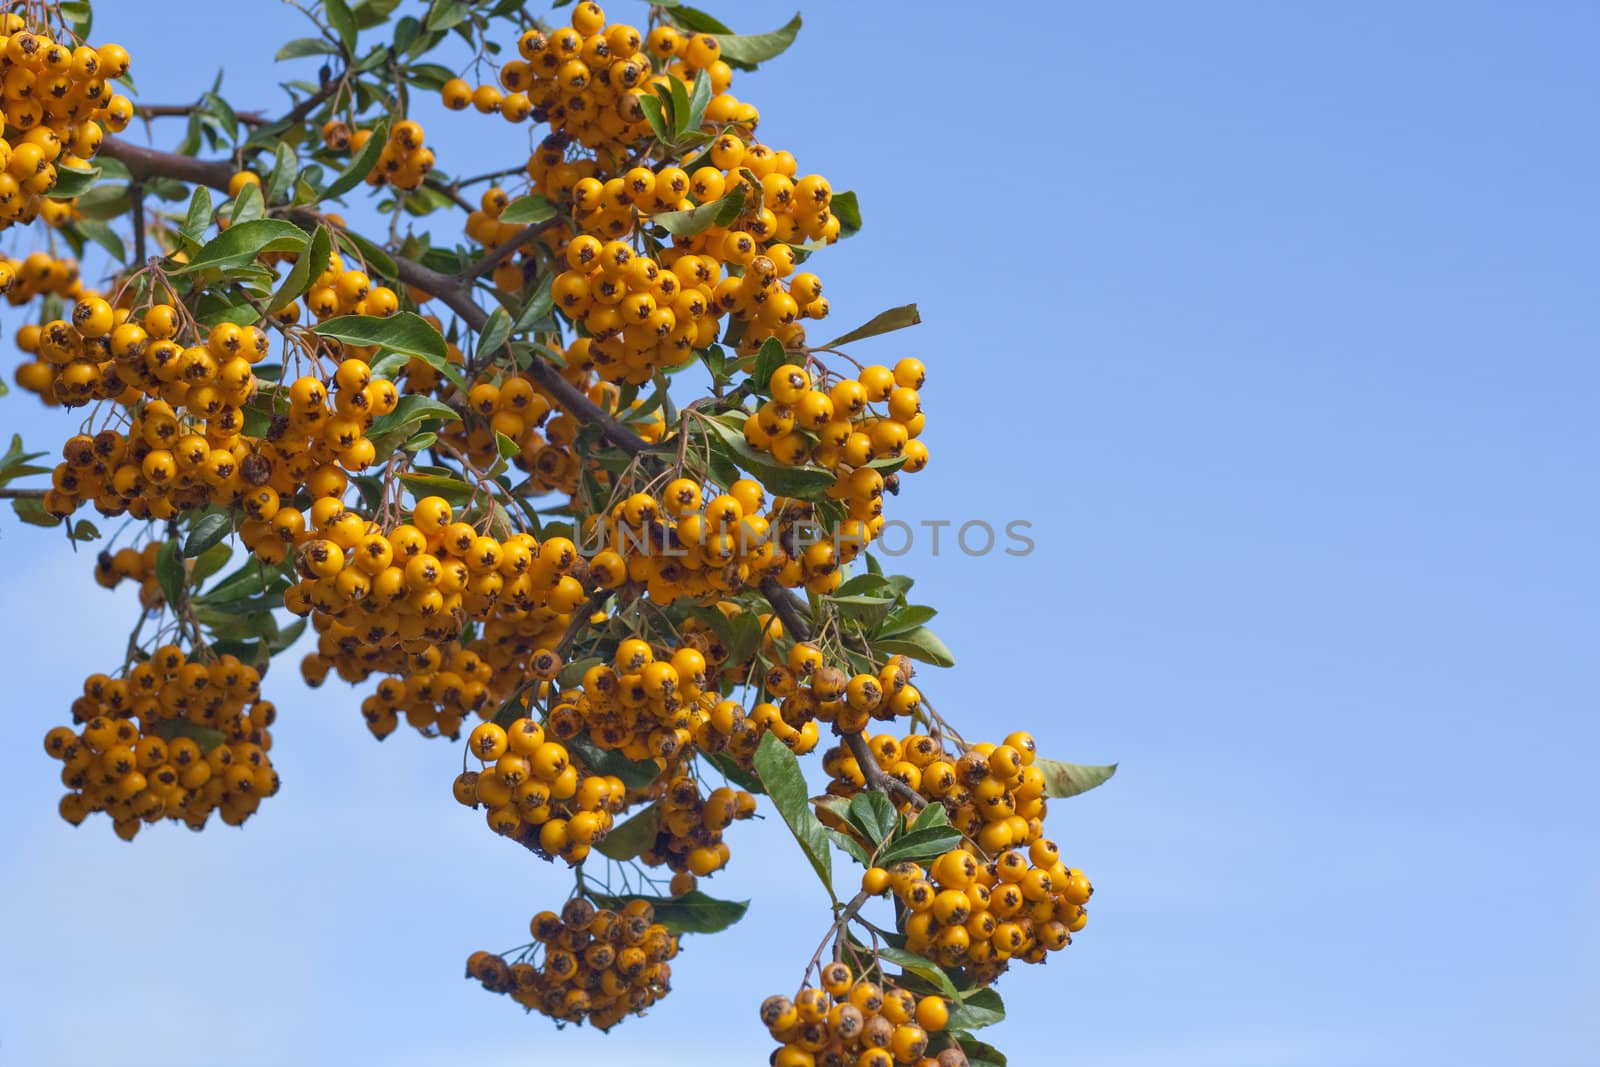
[(22, 494)]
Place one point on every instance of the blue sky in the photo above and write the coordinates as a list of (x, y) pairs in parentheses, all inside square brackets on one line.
[(1271, 319)]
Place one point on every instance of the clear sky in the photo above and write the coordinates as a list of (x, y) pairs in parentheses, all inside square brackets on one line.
[(1277, 322)]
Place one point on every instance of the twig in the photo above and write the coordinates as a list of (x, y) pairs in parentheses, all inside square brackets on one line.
[(22, 494)]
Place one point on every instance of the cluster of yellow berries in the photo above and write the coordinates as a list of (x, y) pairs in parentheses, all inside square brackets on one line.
[(339, 290), (836, 428), (689, 830), (132, 564), (810, 691), (440, 687), (594, 966), (174, 738), (37, 274), (405, 162), (846, 1022), (536, 793), (57, 104)]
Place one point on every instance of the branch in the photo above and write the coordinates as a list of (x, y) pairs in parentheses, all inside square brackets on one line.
[(876, 779), (500, 253), (156, 111), (22, 494), (787, 605)]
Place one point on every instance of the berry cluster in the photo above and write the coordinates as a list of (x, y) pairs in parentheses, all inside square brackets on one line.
[(846, 1022), (58, 103), (836, 428), (132, 564), (174, 738), (586, 965)]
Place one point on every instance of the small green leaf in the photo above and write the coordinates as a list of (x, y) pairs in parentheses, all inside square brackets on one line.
[(699, 219), (655, 115), (920, 644), (692, 913), (572, 674), (360, 165), (406, 333), (343, 22), (922, 967), (495, 332), (734, 773), (33, 513), (198, 219), (242, 244), (920, 845), (526, 210), (207, 530), (979, 1053), (636, 835), (610, 761), (1070, 779), (209, 562), (454, 490), (769, 358), (84, 530), (170, 574), (874, 815), (886, 322), (786, 785), (285, 169), (308, 267), (747, 50), (71, 182), (848, 208), (102, 235), (979, 1008), (694, 114), (306, 46)]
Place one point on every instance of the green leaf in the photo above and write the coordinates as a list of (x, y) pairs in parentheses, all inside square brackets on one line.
[(306, 46), (769, 358), (343, 22), (922, 967), (747, 50), (360, 165), (370, 13), (285, 169), (920, 644), (81, 14), (570, 675), (540, 304), (412, 411), (980, 1008), (1070, 779), (308, 267), (979, 1053), (655, 115), (730, 769), (104, 236), (692, 913), (454, 490), (199, 218), (206, 531), (633, 837), (887, 322), (377, 260), (691, 18), (609, 761), (699, 219), (874, 815), (783, 781), (429, 77), (920, 845), (71, 182), (495, 333), (210, 562), (692, 116), (241, 244), (169, 572), (407, 333), (33, 513), (931, 818), (800, 482), (526, 210), (84, 530), (848, 208)]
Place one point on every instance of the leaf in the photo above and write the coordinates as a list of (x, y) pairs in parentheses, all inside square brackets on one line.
[(539, 305), (102, 235), (243, 243), (206, 531), (412, 410), (699, 219), (979, 1053), (920, 644), (691, 18), (693, 116), (169, 572), (769, 358), (573, 673), (801, 482), (922, 967), (406, 332), (377, 260), (747, 50), (84, 530), (1070, 779), (655, 115), (308, 267), (920, 845), (848, 208), (343, 22), (633, 837), (495, 333), (786, 785), (198, 219), (210, 562), (360, 165), (370, 13), (285, 169), (609, 761), (886, 322), (931, 817), (248, 205), (71, 182), (692, 913), (454, 490), (730, 769), (980, 1008), (874, 815), (526, 210), (32, 512), (305, 46)]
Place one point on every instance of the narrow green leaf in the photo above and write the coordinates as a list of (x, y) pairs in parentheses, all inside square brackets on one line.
[(495, 332), (306, 46), (769, 358), (33, 513), (699, 219), (920, 845), (633, 837), (747, 50), (848, 208), (886, 322), (786, 785), (526, 210), (207, 530), (243, 243), (285, 169), (977, 1009), (199, 218), (360, 165), (1070, 779), (692, 913), (694, 114), (209, 562), (104, 236), (343, 22), (71, 182), (920, 644), (169, 572), (922, 967), (306, 270), (874, 815)]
